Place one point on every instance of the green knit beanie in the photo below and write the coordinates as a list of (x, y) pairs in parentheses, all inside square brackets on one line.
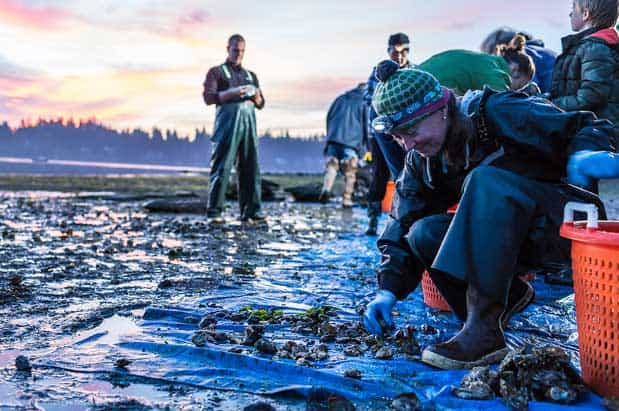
[(406, 96)]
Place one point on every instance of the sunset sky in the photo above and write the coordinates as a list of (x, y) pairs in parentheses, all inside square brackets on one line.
[(141, 63)]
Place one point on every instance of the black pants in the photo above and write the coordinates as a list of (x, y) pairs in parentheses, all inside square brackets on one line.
[(380, 174), (504, 223)]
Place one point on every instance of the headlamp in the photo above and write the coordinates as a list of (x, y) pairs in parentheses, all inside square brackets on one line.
[(383, 124)]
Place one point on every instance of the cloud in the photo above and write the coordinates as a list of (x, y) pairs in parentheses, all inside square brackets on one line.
[(39, 105), (15, 72), (194, 17), (309, 93), (47, 18)]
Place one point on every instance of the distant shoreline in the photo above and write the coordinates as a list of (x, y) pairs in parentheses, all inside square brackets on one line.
[(99, 164), (53, 167), (131, 183)]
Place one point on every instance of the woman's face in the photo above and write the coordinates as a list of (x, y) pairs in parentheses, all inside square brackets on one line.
[(427, 137), (519, 79)]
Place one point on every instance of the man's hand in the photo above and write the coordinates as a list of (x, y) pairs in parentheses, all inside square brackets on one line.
[(379, 310), (257, 98), (231, 94), (585, 166)]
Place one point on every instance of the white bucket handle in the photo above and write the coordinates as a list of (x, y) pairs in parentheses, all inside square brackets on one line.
[(590, 209)]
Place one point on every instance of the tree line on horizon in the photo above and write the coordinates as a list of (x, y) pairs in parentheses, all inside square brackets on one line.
[(89, 140)]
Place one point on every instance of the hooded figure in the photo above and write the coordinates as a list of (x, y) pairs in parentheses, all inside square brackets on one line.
[(347, 135)]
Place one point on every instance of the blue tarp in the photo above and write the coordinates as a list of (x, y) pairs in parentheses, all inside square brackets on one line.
[(339, 273)]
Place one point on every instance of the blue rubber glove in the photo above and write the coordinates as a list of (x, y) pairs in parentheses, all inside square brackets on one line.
[(379, 309), (586, 166)]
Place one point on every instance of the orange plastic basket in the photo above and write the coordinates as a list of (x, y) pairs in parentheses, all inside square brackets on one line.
[(432, 297), (595, 265), (388, 198)]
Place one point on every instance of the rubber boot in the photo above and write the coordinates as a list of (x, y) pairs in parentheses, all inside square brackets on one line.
[(331, 169), (374, 211), (521, 295), (349, 168), (480, 342)]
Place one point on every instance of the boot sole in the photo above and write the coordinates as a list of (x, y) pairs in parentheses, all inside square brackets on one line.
[(523, 303), (445, 363)]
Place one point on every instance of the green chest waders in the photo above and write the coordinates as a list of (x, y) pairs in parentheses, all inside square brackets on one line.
[(235, 141)]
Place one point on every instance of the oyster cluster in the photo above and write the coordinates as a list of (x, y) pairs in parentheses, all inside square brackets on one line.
[(530, 374), (317, 328)]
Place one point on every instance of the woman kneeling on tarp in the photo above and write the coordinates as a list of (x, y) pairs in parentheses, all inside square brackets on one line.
[(503, 157)]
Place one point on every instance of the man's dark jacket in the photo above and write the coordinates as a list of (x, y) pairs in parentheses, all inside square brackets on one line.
[(347, 121), (526, 135)]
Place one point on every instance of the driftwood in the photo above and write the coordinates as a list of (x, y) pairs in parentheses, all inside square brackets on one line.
[(195, 205), (305, 193), (270, 190), (135, 197), (179, 205)]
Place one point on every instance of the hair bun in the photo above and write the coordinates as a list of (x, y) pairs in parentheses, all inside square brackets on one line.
[(386, 69), (518, 42)]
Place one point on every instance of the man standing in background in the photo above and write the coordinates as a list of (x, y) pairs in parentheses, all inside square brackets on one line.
[(236, 92)]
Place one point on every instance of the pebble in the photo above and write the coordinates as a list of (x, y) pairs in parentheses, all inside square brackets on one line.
[(265, 346), (384, 353), (353, 373), (22, 363)]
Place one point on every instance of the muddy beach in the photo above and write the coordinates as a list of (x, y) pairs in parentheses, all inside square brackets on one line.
[(118, 308)]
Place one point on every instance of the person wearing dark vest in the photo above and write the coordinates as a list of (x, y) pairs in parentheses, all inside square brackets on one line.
[(236, 93), (387, 155)]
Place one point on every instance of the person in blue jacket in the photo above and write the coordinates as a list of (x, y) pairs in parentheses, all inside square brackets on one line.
[(346, 138)]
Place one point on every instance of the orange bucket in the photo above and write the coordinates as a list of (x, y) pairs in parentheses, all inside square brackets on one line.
[(388, 198), (432, 297), (595, 264)]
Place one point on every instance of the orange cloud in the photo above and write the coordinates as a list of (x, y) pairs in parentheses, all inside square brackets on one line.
[(17, 13), (124, 96)]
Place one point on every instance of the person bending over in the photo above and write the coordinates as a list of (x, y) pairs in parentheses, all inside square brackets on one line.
[(503, 157)]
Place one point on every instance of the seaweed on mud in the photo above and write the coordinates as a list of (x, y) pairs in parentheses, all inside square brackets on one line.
[(529, 374), (262, 314)]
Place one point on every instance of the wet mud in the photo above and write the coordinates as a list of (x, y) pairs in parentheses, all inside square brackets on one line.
[(70, 266)]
